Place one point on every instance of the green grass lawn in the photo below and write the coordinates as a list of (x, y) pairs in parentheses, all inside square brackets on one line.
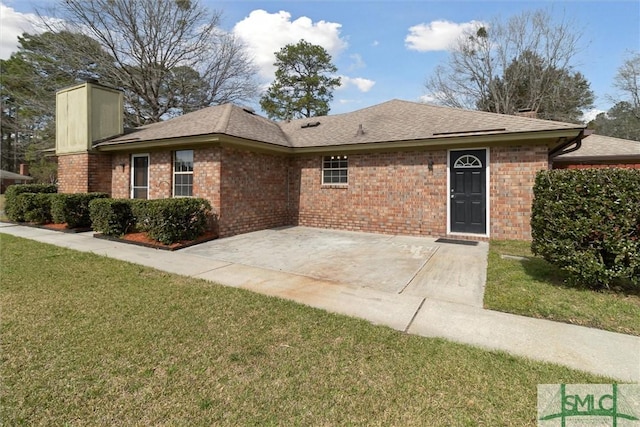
[(535, 288), (87, 340)]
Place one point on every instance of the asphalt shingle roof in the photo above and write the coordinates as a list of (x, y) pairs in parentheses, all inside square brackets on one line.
[(390, 121), (226, 119), (12, 175), (602, 147), (398, 120)]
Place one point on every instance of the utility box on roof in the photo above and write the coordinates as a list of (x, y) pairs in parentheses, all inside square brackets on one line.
[(87, 113)]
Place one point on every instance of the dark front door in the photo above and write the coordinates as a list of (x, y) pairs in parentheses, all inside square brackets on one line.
[(468, 191)]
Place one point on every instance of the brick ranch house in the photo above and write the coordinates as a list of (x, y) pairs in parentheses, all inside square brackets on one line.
[(398, 167)]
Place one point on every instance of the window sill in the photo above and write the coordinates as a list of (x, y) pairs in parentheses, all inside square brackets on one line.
[(335, 186)]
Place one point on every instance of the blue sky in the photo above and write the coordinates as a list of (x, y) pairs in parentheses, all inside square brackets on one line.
[(370, 43)]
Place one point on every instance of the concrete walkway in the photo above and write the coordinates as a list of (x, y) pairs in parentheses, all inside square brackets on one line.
[(426, 305)]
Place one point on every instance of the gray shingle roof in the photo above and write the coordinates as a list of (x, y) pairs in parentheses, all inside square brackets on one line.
[(227, 119), (398, 120), (601, 147), (390, 121), (12, 175)]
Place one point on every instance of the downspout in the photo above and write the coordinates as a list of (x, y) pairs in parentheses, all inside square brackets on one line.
[(562, 148)]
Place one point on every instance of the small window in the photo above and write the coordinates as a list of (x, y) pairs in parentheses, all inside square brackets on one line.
[(334, 170), (183, 173), (467, 161)]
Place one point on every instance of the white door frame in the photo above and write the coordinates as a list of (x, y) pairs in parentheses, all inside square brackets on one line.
[(487, 191), (134, 156)]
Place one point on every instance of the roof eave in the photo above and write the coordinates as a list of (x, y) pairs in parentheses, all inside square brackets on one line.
[(597, 159), (549, 137), (132, 145)]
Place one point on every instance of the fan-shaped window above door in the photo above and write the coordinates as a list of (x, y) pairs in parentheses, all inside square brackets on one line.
[(467, 161)]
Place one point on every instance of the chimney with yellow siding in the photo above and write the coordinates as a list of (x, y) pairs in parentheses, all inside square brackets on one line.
[(85, 114)]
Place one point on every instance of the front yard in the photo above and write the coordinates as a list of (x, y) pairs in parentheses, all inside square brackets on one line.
[(532, 287), (88, 340)]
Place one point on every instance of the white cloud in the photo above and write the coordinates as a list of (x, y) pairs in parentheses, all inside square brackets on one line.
[(437, 35), (428, 99), (591, 114), (266, 33), (363, 85), (12, 25)]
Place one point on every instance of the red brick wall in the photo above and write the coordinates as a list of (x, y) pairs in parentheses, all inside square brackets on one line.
[(100, 173), (206, 175), (387, 193), (120, 177), (253, 192), (513, 173), (73, 173), (396, 193), (596, 166), (392, 193), (160, 175), (84, 172), (254, 185)]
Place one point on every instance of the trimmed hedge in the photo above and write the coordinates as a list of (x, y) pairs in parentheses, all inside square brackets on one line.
[(165, 220), (139, 211), (587, 222), (15, 210), (172, 220), (34, 207), (73, 209), (111, 217)]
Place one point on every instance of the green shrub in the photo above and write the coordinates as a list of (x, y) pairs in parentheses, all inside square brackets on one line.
[(165, 220), (73, 209), (111, 217), (139, 209), (34, 207), (172, 220), (13, 210), (587, 222)]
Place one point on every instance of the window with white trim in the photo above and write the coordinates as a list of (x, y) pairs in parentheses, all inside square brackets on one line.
[(183, 173), (335, 170)]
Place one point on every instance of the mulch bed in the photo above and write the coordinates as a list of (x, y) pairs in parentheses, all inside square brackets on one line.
[(142, 239), (61, 227)]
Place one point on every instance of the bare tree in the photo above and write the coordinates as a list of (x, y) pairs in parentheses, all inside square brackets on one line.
[(623, 119), (152, 43), (28, 82), (523, 63), (627, 80)]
